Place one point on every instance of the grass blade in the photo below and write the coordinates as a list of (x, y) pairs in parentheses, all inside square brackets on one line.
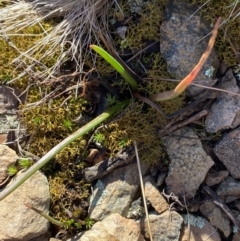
[(116, 65)]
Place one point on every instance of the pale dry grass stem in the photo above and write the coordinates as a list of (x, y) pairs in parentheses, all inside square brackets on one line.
[(143, 192)]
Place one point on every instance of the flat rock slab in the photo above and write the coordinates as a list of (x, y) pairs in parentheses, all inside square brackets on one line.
[(180, 45), (225, 111), (228, 151), (165, 227), (189, 162), (114, 192), (114, 228)]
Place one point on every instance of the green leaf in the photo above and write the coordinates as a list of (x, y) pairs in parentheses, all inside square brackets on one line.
[(116, 65)]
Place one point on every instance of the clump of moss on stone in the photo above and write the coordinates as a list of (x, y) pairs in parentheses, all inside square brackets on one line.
[(229, 31)]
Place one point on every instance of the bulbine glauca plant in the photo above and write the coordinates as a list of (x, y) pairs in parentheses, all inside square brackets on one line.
[(116, 107)]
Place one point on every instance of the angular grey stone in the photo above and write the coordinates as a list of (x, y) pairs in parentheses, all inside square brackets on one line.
[(114, 192), (214, 177), (228, 187), (225, 111), (189, 162), (228, 151)]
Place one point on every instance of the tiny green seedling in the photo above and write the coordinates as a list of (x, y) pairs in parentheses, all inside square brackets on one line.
[(25, 162), (98, 137), (12, 170)]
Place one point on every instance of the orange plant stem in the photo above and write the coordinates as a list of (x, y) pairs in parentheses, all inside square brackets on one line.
[(190, 77)]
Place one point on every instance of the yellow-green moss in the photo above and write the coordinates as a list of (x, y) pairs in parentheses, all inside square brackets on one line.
[(229, 31), (147, 26)]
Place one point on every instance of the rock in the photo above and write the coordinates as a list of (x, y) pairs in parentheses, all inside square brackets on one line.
[(237, 204), (225, 111), (8, 108), (214, 177), (44, 237), (154, 196), (216, 217), (114, 228), (236, 236), (136, 210), (17, 222), (189, 163), (7, 158), (229, 199), (115, 192), (200, 229), (228, 151), (229, 187), (160, 179), (181, 46), (165, 227)]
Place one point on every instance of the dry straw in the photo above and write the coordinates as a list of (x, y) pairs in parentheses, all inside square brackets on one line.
[(79, 21)]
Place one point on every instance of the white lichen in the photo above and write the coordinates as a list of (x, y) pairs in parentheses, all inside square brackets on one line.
[(209, 72), (195, 221), (136, 6)]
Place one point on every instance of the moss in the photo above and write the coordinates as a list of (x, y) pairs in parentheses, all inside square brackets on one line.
[(229, 31), (144, 26)]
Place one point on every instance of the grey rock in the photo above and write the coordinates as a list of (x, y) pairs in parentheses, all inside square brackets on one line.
[(236, 236), (7, 158), (17, 222), (115, 192), (216, 217), (189, 162), (161, 226), (114, 228), (136, 210), (228, 187), (200, 228), (8, 108), (229, 199), (181, 46), (161, 178), (154, 196), (225, 111), (228, 151), (214, 177)]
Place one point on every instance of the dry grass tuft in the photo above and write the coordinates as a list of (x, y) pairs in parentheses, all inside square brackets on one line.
[(78, 23)]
